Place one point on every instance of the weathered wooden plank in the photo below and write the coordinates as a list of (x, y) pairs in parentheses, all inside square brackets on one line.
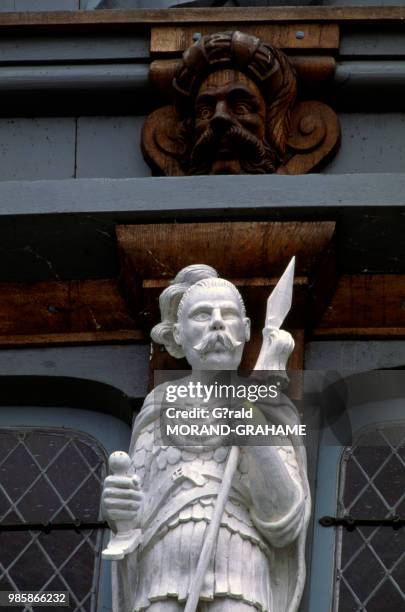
[(71, 339), (365, 305), (128, 19), (64, 313), (175, 39), (358, 333)]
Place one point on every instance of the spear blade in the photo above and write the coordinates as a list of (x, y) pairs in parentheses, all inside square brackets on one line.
[(280, 299)]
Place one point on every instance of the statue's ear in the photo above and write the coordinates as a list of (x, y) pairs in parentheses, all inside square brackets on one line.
[(247, 328), (162, 143), (176, 334), (313, 139)]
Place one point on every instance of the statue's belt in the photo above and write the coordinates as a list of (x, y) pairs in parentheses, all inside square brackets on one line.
[(156, 513)]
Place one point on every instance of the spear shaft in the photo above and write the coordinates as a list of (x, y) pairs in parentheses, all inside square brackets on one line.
[(212, 530)]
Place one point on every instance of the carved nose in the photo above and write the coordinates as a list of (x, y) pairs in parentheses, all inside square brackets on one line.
[(221, 120), (217, 323)]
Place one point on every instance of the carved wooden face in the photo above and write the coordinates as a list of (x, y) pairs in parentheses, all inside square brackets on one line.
[(229, 127)]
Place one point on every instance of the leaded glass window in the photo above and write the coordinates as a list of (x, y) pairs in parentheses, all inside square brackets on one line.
[(51, 475), (370, 561)]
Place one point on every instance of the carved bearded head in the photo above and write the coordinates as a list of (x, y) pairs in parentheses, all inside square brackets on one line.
[(234, 96), (203, 319)]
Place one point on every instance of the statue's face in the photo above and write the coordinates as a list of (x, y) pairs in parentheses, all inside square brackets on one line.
[(212, 329), (229, 126)]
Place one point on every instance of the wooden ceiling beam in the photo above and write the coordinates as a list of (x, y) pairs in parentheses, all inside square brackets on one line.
[(362, 306), (64, 313)]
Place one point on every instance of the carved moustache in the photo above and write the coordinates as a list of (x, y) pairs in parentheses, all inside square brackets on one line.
[(255, 155), (209, 341)]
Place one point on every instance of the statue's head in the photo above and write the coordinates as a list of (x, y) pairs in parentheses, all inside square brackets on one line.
[(234, 96), (203, 319)]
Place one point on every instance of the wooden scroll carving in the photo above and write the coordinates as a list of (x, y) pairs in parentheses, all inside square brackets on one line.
[(236, 111)]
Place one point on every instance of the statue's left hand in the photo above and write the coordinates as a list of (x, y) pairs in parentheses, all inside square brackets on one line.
[(277, 347)]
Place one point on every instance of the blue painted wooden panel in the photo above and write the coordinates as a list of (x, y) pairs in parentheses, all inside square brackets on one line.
[(7, 5), (44, 148), (37, 148), (370, 143), (20, 49), (110, 147), (124, 367), (39, 5)]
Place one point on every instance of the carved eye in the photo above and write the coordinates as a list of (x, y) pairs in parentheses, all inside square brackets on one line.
[(201, 316), (204, 112), (229, 315), (241, 109)]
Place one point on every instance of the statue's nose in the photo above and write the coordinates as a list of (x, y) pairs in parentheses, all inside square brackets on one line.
[(217, 323), (221, 118)]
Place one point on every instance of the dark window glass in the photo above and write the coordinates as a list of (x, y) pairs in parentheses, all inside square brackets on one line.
[(370, 562), (51, 475)]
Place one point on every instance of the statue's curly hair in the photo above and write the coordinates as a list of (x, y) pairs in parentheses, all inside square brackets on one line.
[(172, 299), (267, 66)]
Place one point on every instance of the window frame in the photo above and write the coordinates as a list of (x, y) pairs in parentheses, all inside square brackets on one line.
[(109, 431), (362, 415)]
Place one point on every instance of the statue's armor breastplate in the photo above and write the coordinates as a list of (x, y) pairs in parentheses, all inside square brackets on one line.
[(181, 488)]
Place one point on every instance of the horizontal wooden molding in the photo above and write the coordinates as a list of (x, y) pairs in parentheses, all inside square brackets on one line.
[(128, 19), (299, 36), (359, 333)]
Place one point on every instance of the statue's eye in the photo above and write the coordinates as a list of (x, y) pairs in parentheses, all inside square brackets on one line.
[(229, 314), (204, 112), (201, 316)]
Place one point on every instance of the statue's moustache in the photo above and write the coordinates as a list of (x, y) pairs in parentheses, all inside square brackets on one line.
[(249, 146), (210, 340)]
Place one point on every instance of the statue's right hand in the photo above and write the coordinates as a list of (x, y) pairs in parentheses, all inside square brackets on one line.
[(121, 498)]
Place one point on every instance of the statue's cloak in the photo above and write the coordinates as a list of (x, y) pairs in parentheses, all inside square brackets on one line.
[(287, 571)]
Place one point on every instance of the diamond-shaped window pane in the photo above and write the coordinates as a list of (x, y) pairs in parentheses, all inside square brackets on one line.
[(51, 475), (370, 561)]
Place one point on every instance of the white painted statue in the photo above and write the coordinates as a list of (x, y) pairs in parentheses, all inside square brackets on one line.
[(201, 528)]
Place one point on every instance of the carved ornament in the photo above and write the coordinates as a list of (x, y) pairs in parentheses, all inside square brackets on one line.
[(236, 111)]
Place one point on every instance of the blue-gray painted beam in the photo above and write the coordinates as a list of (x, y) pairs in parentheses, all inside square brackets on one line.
[(64, 48), (75, 77), (375, 74), (122, 367), (204, 195), (350, 76)]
